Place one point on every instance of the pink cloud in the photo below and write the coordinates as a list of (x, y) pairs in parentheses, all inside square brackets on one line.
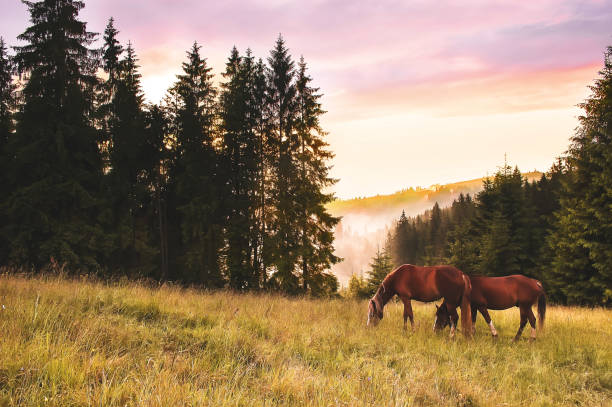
[(371, 59), (483, 93)]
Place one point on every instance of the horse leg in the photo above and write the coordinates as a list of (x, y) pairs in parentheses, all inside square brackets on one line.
[(532, 322), (408, 312), (523, 322), (474, 315), (454, 317), (485, 314)]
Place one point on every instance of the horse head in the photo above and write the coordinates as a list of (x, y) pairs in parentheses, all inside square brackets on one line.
[(375, 312), (442, 319)]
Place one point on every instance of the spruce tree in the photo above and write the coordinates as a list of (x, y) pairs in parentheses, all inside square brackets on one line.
[(130, 168), (111, 54), (379, 268), (462, 239), (315, 224), (582, 243), (7, 99), (501, 223), (54, 207), (157, 125), (196, 192), (238, 114), (260, 241), (7, 108), (282, 224), (401, 244), (435, 237)]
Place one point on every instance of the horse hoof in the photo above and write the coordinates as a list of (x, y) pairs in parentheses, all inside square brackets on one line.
[(495, 336)]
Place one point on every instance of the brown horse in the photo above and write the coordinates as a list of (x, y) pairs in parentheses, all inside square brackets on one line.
[(500, 293), (424, 284)]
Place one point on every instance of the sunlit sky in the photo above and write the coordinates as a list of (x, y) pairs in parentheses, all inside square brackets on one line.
[(417, 92)]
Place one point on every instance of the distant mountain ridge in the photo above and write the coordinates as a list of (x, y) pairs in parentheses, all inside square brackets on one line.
[(412, 196)]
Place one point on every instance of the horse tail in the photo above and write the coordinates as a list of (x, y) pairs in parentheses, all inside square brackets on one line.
[(466, 308), (541, 311)]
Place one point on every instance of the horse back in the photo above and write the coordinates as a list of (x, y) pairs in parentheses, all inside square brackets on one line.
[(429, 283), (505, 292)]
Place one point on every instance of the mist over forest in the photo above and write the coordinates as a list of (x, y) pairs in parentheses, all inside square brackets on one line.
[(367, 221)]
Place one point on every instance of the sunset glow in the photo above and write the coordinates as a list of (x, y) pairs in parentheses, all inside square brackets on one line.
[(416, 93)]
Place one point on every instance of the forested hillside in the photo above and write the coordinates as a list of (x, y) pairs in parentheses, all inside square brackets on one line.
[(512, 226), (219, 186), (366, 221)]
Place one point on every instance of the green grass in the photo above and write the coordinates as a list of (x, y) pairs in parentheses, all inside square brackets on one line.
[(67, 342)]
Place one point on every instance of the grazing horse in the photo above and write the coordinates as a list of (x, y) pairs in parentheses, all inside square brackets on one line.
[(500, 293), (425, 284)]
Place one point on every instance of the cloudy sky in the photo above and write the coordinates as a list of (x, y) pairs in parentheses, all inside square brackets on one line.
[(417, 92)]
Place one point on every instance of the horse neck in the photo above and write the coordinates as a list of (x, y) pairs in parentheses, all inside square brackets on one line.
[(384, 294)]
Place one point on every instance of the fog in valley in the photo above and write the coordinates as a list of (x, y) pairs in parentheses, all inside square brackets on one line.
[(361, 232), (366, 221)]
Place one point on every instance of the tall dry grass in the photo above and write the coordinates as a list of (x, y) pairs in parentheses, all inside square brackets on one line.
[(82, 343)]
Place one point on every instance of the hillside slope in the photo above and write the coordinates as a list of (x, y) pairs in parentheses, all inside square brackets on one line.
[(365, 221), (407, 197)]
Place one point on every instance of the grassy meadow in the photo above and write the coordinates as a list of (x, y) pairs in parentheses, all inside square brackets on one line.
[(83, 343)]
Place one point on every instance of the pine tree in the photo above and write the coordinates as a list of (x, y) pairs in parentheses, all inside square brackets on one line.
[(464, 248), (194, 173), (238, 114), (462, 240), (436, 235), (260, 241), (157, 136), (547, 201), (7, 108), (7, 98), (282, 219), (130, 167), (501, 224), (315, 224), (420, 229), (54, 207), (582, 266), (379, 268), (111, 54), (402, 247)]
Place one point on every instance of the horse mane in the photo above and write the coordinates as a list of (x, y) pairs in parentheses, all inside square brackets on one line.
[(385, 284), (392, 274), (385, 290)]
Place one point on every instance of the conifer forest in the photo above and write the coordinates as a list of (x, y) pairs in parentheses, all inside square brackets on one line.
[(218, 186), (225, 183)]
